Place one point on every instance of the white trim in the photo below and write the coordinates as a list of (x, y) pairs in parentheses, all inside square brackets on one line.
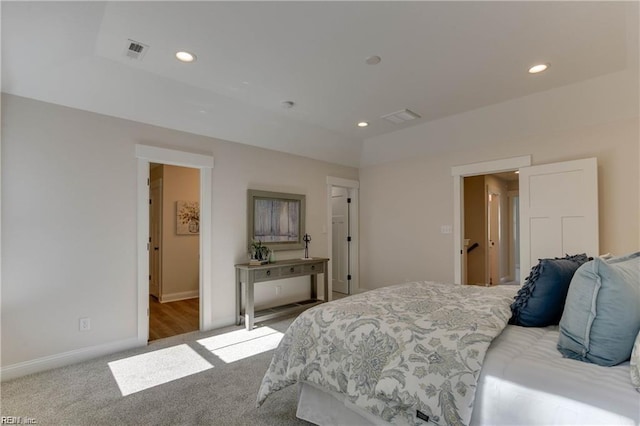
[(344, 183), (145, 155), (143, 251), (352, 187), (182, 295), (512, 261), (66, 358), (458, 173), (206, 244), (173, 157), (495, 166)]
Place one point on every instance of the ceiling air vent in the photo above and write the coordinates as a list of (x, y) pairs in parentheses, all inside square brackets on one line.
[(400, 116), (135, 49)]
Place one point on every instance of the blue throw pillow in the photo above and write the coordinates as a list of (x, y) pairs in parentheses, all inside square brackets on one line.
[(602, 314), (540, 301)]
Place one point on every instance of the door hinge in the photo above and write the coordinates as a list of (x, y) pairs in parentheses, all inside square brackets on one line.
[(349, 238), (348, 200), (349, 277), (149, 277), (149, 201), (147, 246), (149, 239), (147, 181)]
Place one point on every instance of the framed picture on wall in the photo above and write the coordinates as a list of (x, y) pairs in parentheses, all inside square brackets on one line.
[(187, 217), (276, 219)]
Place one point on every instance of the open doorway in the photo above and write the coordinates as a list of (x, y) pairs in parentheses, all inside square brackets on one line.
[(341, 242), (342, 217), (545, 220), (491, 238), (174, 261)]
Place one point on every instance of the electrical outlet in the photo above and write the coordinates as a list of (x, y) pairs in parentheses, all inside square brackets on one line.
[(85, 324), (278, 290)]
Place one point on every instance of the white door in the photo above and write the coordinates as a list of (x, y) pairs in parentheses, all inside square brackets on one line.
[(558, 211), (340, 233), (155, 239)]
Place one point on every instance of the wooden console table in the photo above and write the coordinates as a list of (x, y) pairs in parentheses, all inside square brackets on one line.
[(249, 275)]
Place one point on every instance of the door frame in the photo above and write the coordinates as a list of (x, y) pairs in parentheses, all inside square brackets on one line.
[(459, 173), (514, 243), (491, 250), (146, 154), (352, 187)]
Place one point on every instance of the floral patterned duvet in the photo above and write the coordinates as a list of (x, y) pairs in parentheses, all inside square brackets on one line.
[(396, 350)]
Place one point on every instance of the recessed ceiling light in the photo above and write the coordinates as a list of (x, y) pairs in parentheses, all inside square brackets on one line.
[(538, 68), (373, 60), (363, 124), (185, 56)]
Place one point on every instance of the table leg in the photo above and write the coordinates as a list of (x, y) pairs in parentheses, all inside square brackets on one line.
[(314, 286), (249, 307), (238, 296), (327, 296)]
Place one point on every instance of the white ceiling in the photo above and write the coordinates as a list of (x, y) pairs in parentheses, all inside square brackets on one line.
[(438, 59)]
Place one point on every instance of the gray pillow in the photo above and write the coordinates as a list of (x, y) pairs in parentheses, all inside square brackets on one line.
[(634, 364), (601, 317)]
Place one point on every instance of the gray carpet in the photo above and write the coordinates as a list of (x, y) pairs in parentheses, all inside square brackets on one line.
[(88, 394)]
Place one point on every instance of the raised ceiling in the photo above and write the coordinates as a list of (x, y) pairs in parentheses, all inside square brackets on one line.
[(438, 59)]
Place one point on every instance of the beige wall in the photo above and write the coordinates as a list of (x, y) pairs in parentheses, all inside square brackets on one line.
[(69, 184), (419, 192), (180, 253)]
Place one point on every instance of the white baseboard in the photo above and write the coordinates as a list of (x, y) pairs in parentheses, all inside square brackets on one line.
[(20, 369), (183, 295)]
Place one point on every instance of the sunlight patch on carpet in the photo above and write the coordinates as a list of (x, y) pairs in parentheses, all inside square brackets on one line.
[(241, 344), (145, 371)]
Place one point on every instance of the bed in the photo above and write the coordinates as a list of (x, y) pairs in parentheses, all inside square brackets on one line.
[(456, 362), (524, 381)]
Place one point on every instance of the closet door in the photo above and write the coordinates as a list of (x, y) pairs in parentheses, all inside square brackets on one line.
[(558, 211)]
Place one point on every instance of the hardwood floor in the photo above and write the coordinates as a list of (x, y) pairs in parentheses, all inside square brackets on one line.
[(172, 318)]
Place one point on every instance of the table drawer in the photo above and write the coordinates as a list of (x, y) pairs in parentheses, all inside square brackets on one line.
[(290, 271), (266, 274), (316, 268)]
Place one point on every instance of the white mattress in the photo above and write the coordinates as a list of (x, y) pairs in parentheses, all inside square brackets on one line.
[(524, 381)]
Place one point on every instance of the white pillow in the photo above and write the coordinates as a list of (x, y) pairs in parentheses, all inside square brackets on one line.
[(635, 364)]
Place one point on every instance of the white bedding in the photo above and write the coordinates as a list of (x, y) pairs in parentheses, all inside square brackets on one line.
[(524, 381)]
